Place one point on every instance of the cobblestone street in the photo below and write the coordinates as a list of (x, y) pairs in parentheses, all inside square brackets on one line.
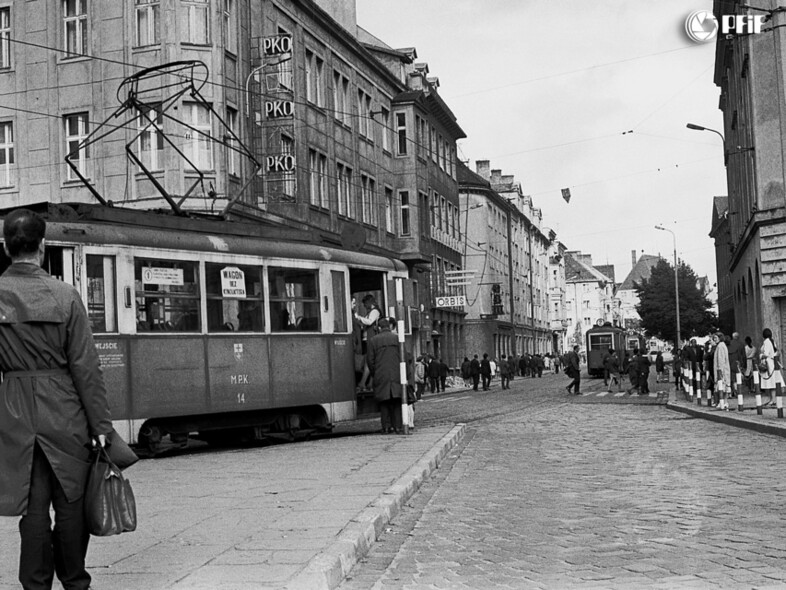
[(563, 494)]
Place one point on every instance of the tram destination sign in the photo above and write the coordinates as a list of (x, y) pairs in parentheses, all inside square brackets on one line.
[(233, 283), (450, 301)]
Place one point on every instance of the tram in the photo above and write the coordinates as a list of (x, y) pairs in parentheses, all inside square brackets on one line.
[(599, 340), (215, 329)]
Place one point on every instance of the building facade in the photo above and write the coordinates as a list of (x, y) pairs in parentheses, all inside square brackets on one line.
[(280, 113), (748, 71), (722, 238), (558, 318), (507, 258), (589, 296)]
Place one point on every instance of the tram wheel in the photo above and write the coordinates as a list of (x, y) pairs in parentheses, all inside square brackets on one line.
[(150, 439)]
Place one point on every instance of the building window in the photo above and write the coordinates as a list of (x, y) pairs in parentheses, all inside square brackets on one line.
[(341, 97), (389, 209), (315, 91), (147, 22), (385, 121), (368, 204), (317, 173), (5, 36), (76, 130), (233, 157), (434, 157), (230, 35), (364, 114), (75, 26), (288, 149), (151, 137), (422, 137), (401, 133), (197, 146), (344, 189), (403, 197), (195, 26), (6, 152)]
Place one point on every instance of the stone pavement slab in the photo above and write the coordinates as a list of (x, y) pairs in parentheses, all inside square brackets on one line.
[(295, 516)]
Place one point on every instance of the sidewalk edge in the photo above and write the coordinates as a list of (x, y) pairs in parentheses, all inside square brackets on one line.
[(328, 569), (730, 418)]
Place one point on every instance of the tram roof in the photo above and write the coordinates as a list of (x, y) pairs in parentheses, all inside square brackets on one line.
[(92, 224)]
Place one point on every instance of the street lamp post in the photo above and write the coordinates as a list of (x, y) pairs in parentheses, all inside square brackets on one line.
[(702, 128), (676, 283)]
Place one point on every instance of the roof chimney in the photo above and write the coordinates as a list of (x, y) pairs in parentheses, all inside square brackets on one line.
[(633, 257), (483, 168)]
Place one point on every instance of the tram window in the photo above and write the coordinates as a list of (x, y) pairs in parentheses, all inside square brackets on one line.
[(339, 301), (226, 312), (101, 308), (600, 342), (167, 295), (59, 262), (294, 299)]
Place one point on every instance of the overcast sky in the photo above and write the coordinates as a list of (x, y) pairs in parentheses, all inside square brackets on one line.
[(547, 89)]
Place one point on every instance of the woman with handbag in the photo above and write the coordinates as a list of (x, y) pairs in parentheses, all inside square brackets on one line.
[(750, 363), (767, 356)]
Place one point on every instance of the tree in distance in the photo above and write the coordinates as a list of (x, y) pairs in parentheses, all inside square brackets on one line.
[(656, 304)]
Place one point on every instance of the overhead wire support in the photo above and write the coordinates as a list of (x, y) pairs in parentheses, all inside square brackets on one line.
[(143, 94)]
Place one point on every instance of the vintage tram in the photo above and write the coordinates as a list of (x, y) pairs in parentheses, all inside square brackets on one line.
[(216, 329), (599, 340)]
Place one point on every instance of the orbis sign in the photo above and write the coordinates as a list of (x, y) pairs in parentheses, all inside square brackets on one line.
[(450, 301)]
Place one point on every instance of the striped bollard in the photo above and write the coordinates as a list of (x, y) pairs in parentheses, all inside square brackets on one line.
[(757, 389), (696, 384), (705, 384), (779, 392), (720, 387), (739, 392)]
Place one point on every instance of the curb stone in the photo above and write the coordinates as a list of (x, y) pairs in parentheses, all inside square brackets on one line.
[(732, 418), (329, 568)]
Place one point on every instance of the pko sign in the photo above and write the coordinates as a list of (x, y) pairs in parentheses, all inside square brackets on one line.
[(702, 26)]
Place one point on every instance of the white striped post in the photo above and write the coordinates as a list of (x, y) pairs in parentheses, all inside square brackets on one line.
[(402, 352), (779, 392), (696, 384), (707, 389), (740, 400), (758, 391), (720, 387)]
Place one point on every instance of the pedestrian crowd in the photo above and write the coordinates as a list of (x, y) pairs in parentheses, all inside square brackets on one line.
[(728, 366)]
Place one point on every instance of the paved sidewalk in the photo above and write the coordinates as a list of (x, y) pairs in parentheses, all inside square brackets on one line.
[(767, 423), (295, 516)]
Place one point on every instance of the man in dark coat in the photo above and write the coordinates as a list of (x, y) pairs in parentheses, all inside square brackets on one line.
[(485, 371), (634, 372), (504, 372), (573, 370), (644, 373), (474, 372), (443, 374), (52, 402), (433, 375), (524, 364), (384, 362)]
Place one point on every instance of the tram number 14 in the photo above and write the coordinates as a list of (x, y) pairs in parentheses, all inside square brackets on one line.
[(241, 398)]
